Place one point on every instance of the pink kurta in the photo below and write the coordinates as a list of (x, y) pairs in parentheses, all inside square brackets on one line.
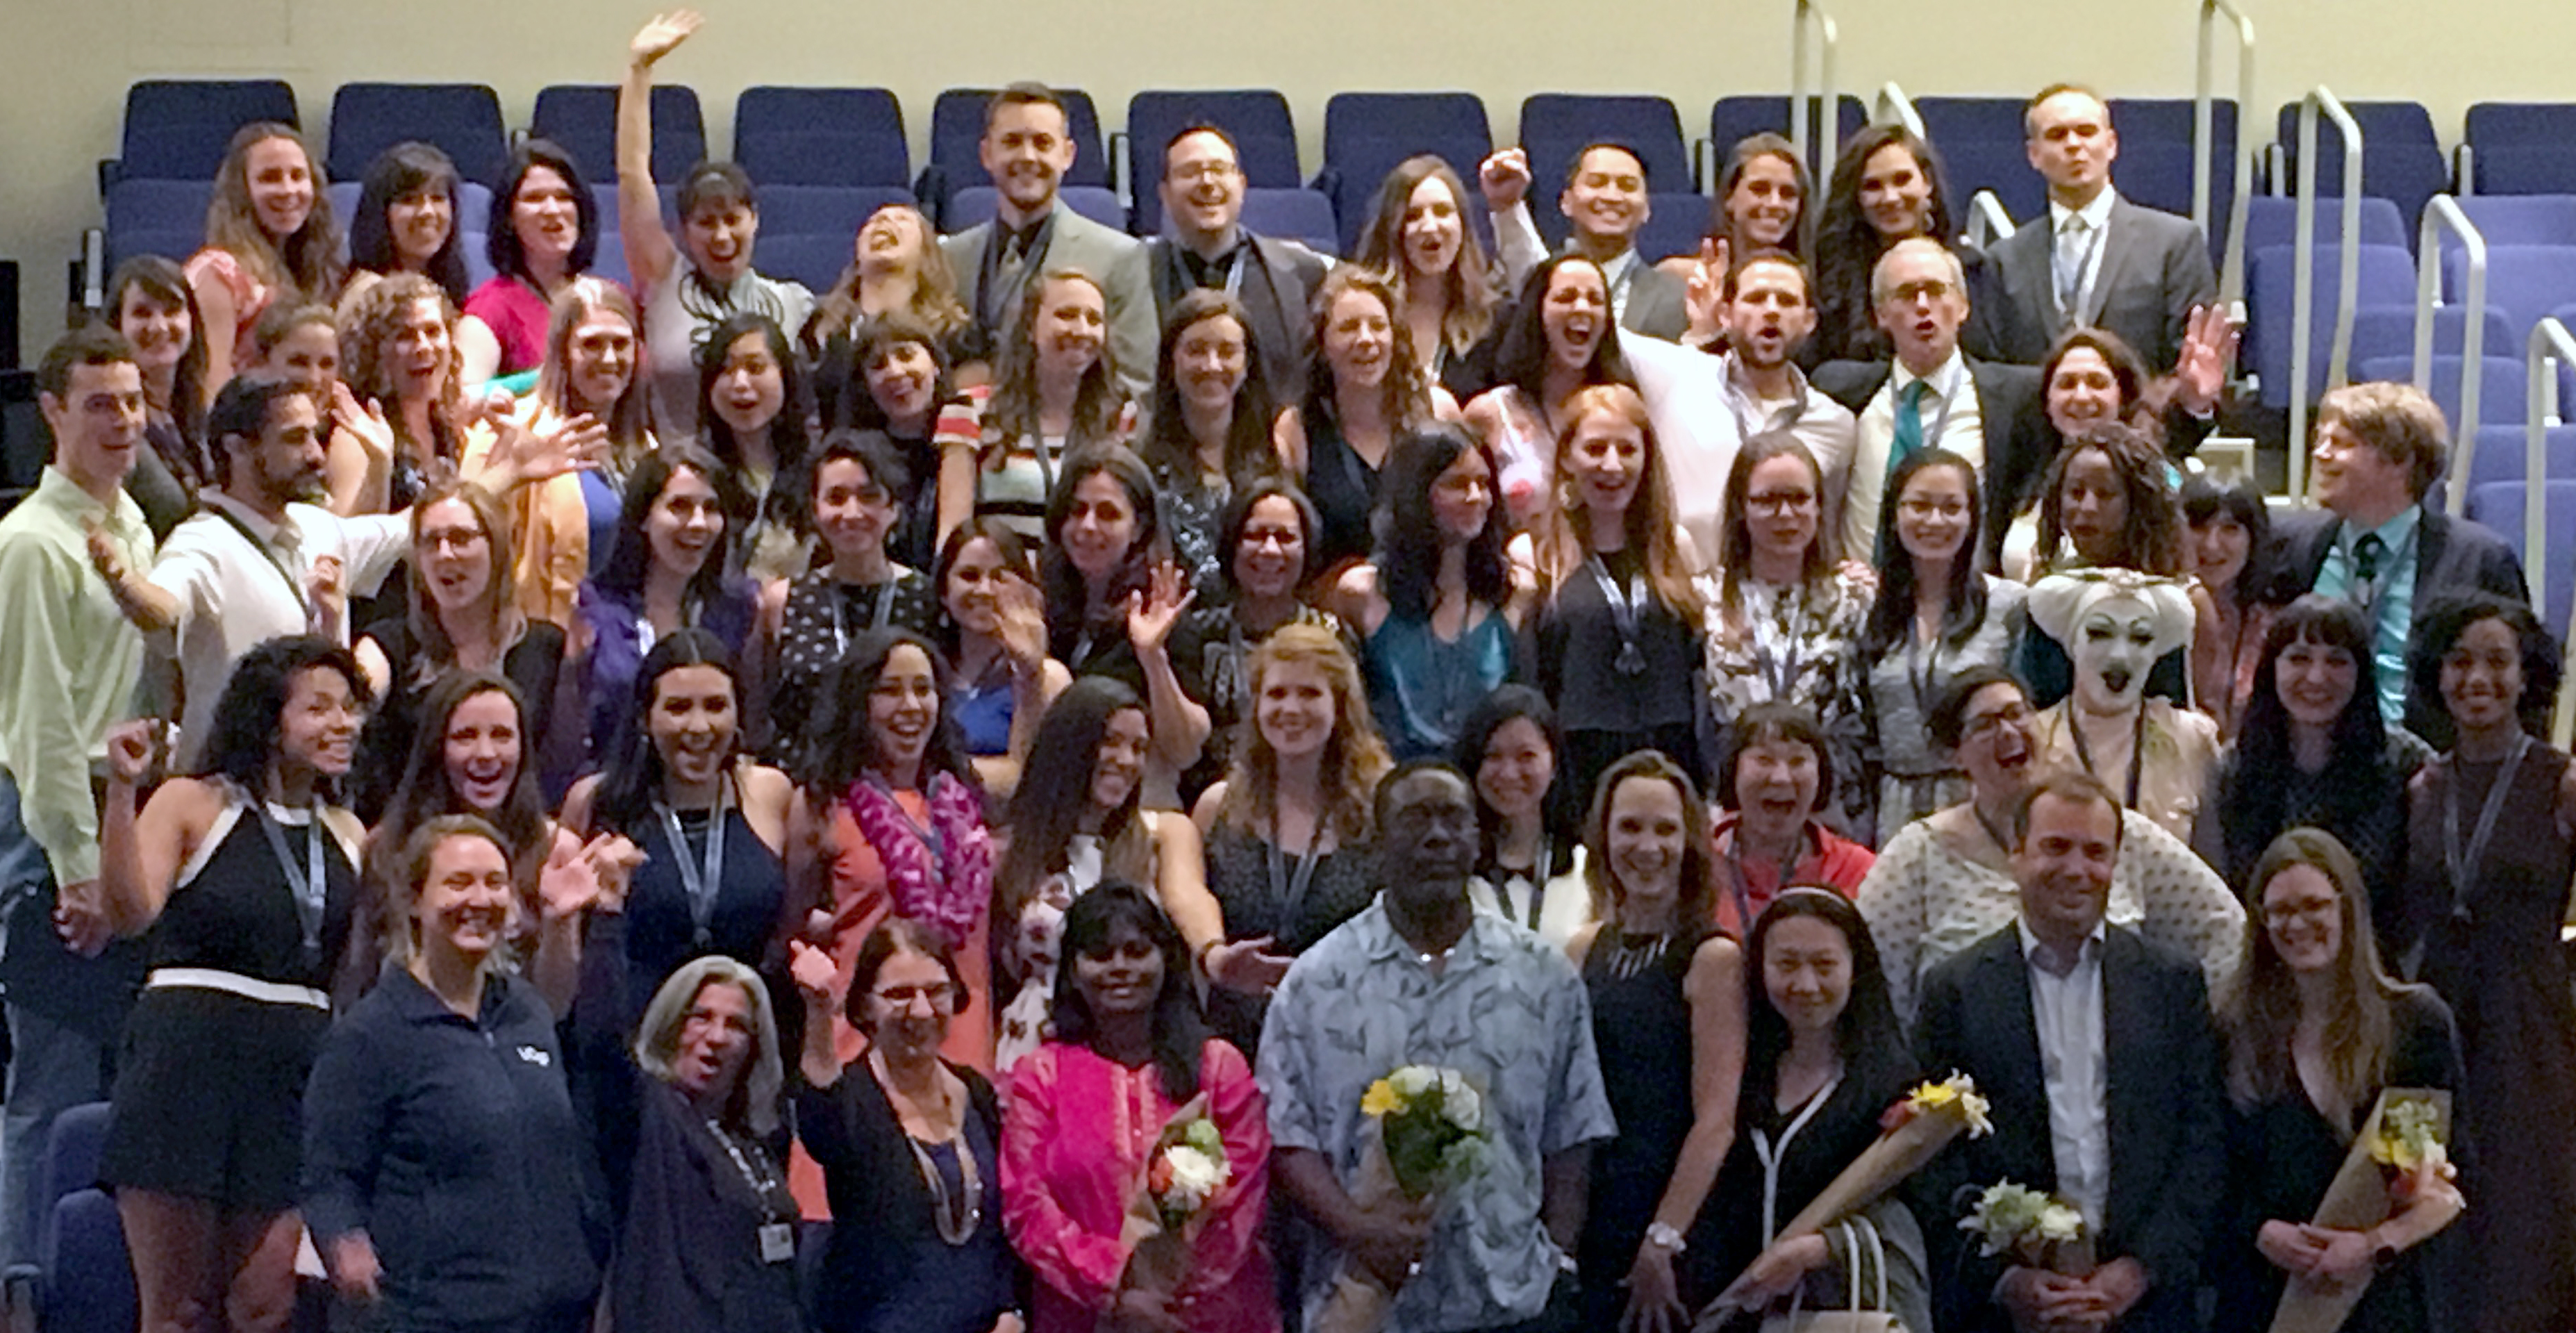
[(1074, 1140)]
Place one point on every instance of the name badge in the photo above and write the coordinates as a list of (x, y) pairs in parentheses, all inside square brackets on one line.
[(777, 1242)]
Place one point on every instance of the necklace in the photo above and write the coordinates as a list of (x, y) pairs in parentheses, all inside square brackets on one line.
[(956, 1216)]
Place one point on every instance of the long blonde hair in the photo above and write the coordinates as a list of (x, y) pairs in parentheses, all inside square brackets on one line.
[(306, 263), (1472, 296), (1565, 532), (1354, 757), (2261, 1014)]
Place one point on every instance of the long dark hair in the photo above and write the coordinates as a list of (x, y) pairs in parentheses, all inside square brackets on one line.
[(1238, 516), (791, 436), (630, 554), (1055, 788), (243, 741), (165, 283), (1867, 1035), (2205, 501), (2151, 534), (1067, 591), (1180, 1028), (841, 747), (1848, 247), (1409, 541), (2438, 628), (1521, 352), (501, 239), (1560, 808), (1007, 543), (1963, 604), (2257, 800), (1167, 447), (1735, 539), (1748, 150), (425, 795), (632, 779), (408, 168), (852, 403)]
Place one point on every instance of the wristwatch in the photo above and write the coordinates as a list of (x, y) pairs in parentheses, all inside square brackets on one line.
[(2384, 1257), (1664, 1236)]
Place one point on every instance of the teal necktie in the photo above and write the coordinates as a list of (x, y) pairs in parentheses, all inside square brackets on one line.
[(1909, 438)]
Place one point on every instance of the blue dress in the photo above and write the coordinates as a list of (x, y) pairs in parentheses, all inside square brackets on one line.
[(1421, 687)]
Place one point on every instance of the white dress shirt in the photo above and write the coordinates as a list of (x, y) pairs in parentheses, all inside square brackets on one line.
[(234, 594), (1951, 421), (1685, 394), (1827, 428), (2067, 1012)]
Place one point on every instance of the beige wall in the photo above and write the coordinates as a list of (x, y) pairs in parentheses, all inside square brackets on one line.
[(64, 64)]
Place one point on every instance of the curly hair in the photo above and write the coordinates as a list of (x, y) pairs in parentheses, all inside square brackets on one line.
[(306, 264), (1404, 396), (369, 321), (242, 743), (842, 744), (2150, 539), (1470, 293), (1355, 760)]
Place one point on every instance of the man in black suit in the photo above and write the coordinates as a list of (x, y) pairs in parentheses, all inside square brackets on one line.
[(2100, 260), (1934, 395), (2379, 447), (1605, 200), (1202, 190), (2128, 1129)]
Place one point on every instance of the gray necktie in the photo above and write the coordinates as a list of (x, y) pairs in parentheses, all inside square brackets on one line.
[(2075, 242)]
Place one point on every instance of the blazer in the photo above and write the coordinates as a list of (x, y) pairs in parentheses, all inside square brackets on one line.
[(2165, 1109), (1278, 282), (2012, 408), (2155, 269), (1114, 258), (2452, 557), (1658, 303)]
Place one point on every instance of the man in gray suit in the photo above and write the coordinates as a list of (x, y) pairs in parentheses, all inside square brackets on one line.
[(1202, 191), (1027, 148), (2100, 260), (1606, 201)]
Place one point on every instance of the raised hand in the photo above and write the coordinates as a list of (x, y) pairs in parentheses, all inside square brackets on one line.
[(1505, 178), (1155, 609), (613, 859), (568, 885), (365, 422), (326, 596), (814, 972), (2208, 354), (1020, 622), (662, 34), (1706, 296), (130, 746), (552, 447)]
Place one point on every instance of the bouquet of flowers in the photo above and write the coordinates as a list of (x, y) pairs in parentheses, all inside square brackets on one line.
[(2401, 1155), (1170, 1198), (2038, 1230), (1431, 1138)]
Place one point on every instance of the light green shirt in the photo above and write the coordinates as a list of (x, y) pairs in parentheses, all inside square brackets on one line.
[(68, 661)]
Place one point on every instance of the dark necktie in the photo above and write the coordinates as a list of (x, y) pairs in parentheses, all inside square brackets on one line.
[(2366, 555)]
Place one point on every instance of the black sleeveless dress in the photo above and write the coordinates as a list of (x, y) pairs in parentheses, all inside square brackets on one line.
[(1641, 1028), (210, 1089)]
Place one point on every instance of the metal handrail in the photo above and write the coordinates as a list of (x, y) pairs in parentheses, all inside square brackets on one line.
[(2444, 212), (1815, 146), (2204, 136), (1988, 220), (2321, 102), (2550, 341), (1893, 107)]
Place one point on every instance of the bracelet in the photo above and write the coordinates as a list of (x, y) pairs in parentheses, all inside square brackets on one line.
[(1664, 1236)]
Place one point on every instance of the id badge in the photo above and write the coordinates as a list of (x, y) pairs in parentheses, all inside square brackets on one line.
[(777, 1242)]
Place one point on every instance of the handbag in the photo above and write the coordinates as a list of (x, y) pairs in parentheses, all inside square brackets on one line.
[(1857, 1318)]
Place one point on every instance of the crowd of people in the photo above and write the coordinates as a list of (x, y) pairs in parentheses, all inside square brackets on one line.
[(550, 791)]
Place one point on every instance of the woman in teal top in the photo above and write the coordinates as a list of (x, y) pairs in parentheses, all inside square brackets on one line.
[(1438, 607)]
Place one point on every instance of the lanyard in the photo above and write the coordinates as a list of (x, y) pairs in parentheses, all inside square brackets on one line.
[(311, 896), (1623, 613), (990, 302), (876, 619), (1771, 1153), (1921, 674), (2464, 861), (1536, 880), (755, 1168), (1788, 872), (294, 585), (1288, 886), (929, 836), (2137, 750), (703, 882)]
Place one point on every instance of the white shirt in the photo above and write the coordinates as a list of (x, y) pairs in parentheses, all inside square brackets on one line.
[(1685, 394), (2097, 222), (2067, 1012), (1957, 427), (234, 594)]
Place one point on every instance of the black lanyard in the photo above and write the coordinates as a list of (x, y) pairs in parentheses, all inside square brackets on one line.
[(2463, 861), (1623, 613), (294, 585), (876, 620), (1288, 885), (2137, 747), (757, 1173), (313, 896), (1740, 399)]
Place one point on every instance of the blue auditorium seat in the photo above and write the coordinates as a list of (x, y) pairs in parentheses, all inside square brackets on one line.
[(957, 128), (68, 1169), (821, 136), (1265, 139), (582, 117), (812, 258), (156, 217), (1367, 135), (822, 210), (2401, 158), (974, 205), (2155, 163), (2526, 282), (2503, 454), (2523, 147), (462, 118), (1294, 214), (2389, 330), (178, 129), (2387, 275), (2501, 385), (2501, 506), (2272, 220), (2518, 219), (1744, 115), (1556, 126)]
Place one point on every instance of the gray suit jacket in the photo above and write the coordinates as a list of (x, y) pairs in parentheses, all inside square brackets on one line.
[(2155, 268), (1657, 303), (1115, 259), (1279, 280)]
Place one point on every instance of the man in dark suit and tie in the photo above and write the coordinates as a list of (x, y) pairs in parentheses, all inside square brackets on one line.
[(1606, 202), (1027, 148), (1933, 395), (1202, 190), (2097, 1051), (2100, 261), (2379, 447)]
